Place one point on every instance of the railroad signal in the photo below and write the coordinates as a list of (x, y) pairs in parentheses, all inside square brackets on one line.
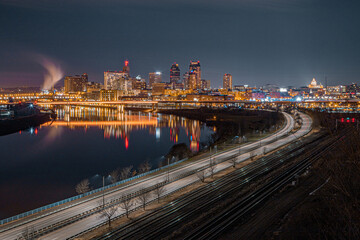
[(347, 120)]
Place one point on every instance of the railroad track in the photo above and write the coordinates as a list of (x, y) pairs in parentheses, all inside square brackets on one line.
[(215, 226), (169, 216), (61, 224)]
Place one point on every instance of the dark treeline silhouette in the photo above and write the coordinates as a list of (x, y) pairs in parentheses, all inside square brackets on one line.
[(231, 122)]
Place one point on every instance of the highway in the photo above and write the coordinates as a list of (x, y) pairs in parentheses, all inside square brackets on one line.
[(13, 230), (183, 213)]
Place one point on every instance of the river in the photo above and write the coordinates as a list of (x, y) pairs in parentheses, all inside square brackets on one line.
[(43, 165)]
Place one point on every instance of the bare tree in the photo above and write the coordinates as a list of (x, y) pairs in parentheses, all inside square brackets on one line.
[(201, 175), (83, 186), (28, 233), (144, 167), (212, 167), (107, 212), (159, 190), (143, 198), (115, 175), (126, 205), (125, 172)]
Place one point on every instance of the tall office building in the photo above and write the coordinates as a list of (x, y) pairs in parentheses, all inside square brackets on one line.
[(227, 81), (126, 68), (195, 68), (76, 83), (138, 83), (85, 77), (154, 77), (186, 80), (205, 84), (192, 80), (114, 80), (174, 75)]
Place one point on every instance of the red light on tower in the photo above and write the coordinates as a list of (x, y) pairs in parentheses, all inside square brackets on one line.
[(126, 63)]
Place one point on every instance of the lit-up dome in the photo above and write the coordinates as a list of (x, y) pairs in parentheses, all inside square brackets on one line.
[(314, 84)]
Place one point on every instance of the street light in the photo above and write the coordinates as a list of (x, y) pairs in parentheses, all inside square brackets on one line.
[(103, 191), (168, 170)]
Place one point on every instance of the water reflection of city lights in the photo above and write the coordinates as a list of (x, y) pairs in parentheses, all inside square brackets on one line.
[(126, 143), (116, 124), (158, 132)]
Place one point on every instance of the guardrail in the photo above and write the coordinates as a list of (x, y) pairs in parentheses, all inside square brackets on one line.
[(181, 188), (19, 216), (28, 213), (114, 201)]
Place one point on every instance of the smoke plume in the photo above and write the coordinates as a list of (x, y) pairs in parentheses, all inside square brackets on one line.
[(53, 75)]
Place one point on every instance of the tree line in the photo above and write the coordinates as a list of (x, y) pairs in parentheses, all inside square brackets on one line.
[(116, 175)]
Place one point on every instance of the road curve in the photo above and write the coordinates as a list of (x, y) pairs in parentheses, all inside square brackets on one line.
[(93, 220)]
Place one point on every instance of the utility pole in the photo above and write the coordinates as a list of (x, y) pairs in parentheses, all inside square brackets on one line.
[(239, 152), (336, 124)]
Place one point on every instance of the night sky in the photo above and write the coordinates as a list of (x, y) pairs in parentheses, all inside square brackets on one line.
[(283, 42)]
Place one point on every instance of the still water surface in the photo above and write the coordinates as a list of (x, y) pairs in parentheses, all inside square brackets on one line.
[(44, 164)]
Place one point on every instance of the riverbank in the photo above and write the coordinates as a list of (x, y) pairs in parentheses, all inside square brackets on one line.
[(230, 123)]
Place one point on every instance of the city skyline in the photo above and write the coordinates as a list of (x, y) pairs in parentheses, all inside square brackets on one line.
[(181, 119), (258, 42)]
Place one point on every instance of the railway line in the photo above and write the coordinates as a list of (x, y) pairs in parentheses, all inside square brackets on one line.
[(72, 221), (161, 222), (70, 214), (215, 226)]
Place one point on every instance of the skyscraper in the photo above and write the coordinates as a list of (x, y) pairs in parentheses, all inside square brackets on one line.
[(85, 80), (114, 80), (85, 77), (154, 77), (186, 80), (174, 74), (205, 84), (126, 68), (192, 82), (227, 81), (76, 83), (194, 68)]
